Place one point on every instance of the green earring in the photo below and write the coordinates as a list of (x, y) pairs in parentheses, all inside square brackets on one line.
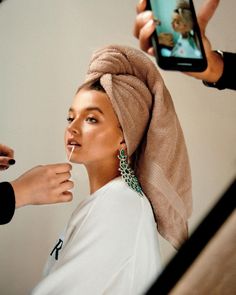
[(127, 173)]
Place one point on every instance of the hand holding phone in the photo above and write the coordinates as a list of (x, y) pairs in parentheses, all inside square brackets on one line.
[(177, 39)]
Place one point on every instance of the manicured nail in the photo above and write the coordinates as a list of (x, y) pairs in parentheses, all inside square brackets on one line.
[(11, 162)]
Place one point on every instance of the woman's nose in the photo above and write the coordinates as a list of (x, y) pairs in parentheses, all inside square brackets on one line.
[(73, 128)]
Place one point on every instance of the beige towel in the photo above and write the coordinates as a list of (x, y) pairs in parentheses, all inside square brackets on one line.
[(152, 133)]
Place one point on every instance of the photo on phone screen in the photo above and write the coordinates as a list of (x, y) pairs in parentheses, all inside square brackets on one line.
[(177, 40)]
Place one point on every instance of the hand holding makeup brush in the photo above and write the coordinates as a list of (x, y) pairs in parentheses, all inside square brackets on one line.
[(44, 184)]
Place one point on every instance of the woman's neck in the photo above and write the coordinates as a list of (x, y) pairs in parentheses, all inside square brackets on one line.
[(101, 175)]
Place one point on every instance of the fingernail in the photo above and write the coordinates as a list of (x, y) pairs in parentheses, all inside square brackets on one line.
[(147, 15), (11, 162), (150, 23)]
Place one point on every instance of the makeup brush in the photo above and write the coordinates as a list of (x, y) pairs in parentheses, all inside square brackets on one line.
[(72, 150)]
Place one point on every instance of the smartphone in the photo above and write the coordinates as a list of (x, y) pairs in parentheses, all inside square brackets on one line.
[(177, 40)]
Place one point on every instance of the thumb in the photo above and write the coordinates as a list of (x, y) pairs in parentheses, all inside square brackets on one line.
[(5, 162)]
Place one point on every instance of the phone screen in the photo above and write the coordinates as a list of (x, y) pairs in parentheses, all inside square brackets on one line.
[(177, 39)]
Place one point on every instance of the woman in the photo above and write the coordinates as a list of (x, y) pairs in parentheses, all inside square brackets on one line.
[(121, 117)]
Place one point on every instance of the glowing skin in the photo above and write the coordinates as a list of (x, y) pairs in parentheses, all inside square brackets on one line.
[(96, 136)]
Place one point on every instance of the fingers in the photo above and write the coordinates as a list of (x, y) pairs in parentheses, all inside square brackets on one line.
[(151, 51), (141, 20), (65, 197), (6, 151), (60, 183), (141, 6), (5, 162), (58, 168), (62, 177), (61, 168), (206, 12), (65, 184), (142, 17), (145, 36), (6, 157), (63, 194), (144, 27), (59, 176)]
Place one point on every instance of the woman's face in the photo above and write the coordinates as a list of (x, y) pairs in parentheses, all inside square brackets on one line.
[(179, 25), (93, 131)]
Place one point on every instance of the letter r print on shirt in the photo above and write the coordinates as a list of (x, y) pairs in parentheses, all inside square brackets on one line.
[(57, 248)]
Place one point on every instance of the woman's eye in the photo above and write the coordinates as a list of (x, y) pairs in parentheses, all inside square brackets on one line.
[(69, 119), (91, 120)]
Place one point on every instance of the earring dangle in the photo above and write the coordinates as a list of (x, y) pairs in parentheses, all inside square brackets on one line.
[(127, 173)]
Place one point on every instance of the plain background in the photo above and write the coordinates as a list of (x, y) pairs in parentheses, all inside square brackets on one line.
[(45, 47)]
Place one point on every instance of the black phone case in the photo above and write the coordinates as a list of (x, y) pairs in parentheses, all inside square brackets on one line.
[(184, 64)]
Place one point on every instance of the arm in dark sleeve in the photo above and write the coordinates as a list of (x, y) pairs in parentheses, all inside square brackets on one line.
[(228, 78), (7, 202)]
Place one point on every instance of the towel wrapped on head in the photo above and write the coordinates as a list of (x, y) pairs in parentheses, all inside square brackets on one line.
[(152, 133)]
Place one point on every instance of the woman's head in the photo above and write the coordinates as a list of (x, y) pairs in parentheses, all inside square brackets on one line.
[(93, 130), (182, 21)]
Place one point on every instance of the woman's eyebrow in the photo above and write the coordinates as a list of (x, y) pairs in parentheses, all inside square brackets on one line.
[(94, 109), (88, 109)]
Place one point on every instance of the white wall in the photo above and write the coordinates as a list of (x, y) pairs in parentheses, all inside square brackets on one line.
[(45, 47)]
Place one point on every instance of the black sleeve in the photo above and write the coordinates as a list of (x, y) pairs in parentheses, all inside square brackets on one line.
[(7, 202), (228, 78)]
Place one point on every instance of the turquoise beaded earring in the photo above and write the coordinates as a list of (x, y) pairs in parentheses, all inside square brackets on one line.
[(127, 173)]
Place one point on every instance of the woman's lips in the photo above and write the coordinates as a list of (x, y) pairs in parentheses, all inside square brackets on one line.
[(73, 144)]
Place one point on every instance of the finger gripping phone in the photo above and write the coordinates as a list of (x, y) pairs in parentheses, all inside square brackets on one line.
[(177, 39)]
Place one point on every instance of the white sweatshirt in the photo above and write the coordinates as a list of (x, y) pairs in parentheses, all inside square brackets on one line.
[(110, 246)]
